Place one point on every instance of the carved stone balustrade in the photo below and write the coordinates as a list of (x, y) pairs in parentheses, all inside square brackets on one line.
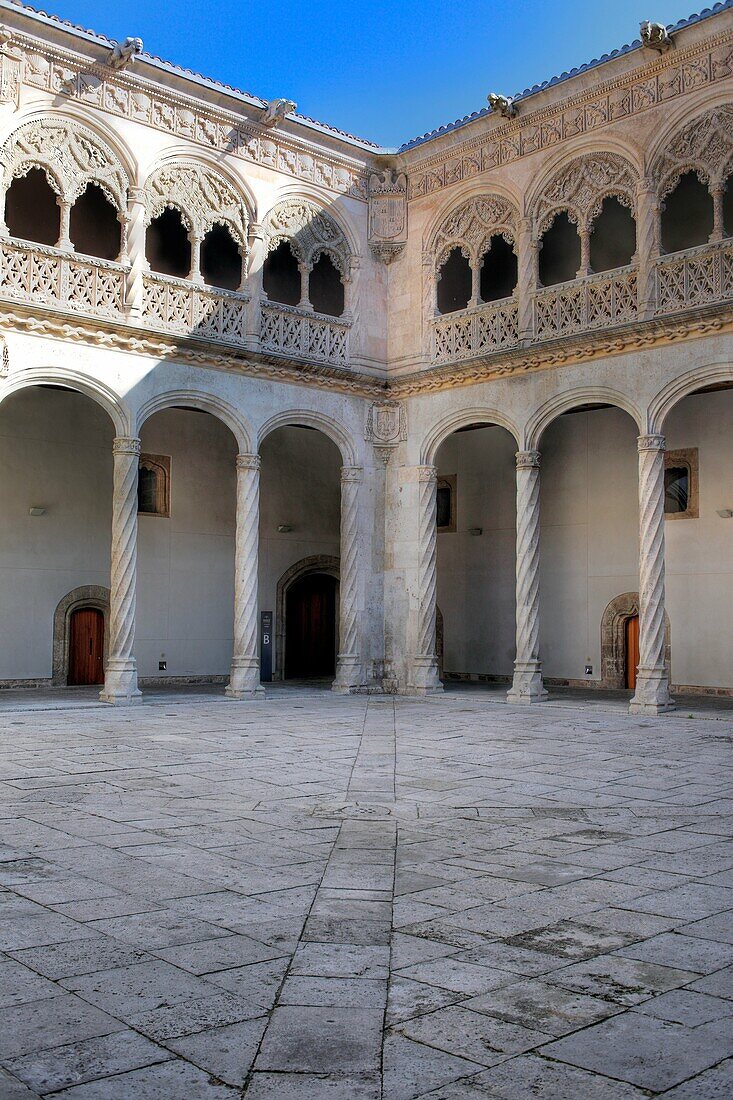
[(177, 305), (301, 334), (695, 277), (596, 301), (476, 331), (40, 275)]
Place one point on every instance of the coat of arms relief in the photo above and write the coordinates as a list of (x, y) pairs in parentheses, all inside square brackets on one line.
[(387, 213)]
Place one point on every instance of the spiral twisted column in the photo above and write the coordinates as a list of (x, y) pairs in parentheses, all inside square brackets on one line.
[(647, 247), (424, 677), (527, 684), (527, 252), (120, 680), (135, 247), (348, 667), (652, 680), (244, 677)]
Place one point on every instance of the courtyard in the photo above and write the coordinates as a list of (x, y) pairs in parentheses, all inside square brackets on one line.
[(363, 897)]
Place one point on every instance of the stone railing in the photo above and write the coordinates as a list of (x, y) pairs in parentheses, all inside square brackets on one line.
[(177, 305), (476, 331), (40, 275), (596, 301), (695, 277), (301, 334)]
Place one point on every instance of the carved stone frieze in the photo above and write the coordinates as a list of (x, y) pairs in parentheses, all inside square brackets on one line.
[(310, 232), (666, 77), (202, 196), (70, 155), (581, 186), (387, 214), (127, 94), (704, 145), (471, 226)]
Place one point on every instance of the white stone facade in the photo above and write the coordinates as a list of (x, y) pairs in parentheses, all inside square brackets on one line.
[(329, 426)]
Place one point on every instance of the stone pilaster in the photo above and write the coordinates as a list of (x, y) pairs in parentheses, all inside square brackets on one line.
[(652, 680), (348, 668), (134, 289), (120, 680), (424, 677), (244, 677), (527, 685)]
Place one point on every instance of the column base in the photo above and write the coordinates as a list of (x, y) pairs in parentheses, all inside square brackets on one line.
[(527, 687), (348, 674), (120, 684), (652, 692), (244, 680), (424, 679)]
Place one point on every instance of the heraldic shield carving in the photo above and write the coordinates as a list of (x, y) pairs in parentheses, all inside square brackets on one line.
[(387, 213), (386, 427)]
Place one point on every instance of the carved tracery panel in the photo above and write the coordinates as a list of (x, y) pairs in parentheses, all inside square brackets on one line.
[(581, 186), (71, 156), (309, 231), (202, 197), (704, 146), (471, 226)]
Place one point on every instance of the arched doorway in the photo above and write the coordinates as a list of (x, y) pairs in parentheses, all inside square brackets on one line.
[(86, 647), (310, 627), (631, 648)]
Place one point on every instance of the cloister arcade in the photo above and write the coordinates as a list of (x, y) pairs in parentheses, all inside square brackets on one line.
[(249, 368)]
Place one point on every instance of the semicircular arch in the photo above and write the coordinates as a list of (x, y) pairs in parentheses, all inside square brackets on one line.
[(451, 423), (97, 391), (542, 417), (203, 402), (693, 381), (301, 418)]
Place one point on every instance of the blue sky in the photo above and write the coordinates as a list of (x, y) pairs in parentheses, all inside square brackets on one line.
[(386, 72)]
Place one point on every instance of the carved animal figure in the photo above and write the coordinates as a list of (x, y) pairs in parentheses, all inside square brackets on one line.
[(125, 53), (502, 104), (655, 36), (276, 110)]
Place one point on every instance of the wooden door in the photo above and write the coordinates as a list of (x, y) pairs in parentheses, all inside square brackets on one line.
[(86, 646), (310, 628), (632, 650)]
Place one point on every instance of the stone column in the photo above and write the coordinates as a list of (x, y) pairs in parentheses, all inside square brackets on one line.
[(348, 668), (120, 680), (652, 680), (424, 677), (475, 282), (305, 302), (252, 270), (244, 677), (195, 273), (647, 247), (584, 233), (527, 685), (136, 217), (527, 252), (64, 241), (718, 232)]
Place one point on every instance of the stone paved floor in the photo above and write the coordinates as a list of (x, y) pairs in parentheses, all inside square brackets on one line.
[(316, 896)]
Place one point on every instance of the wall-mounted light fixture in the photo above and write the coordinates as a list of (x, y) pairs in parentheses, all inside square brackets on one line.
[(284, 528), (36, 511), (475, 530), (725, 513)]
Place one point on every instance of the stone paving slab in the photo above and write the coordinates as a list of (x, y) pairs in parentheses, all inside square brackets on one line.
[(364, 898)]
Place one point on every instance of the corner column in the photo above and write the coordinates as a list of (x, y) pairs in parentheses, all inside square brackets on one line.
[(527, 686), (424, 679), (244, 677), (647, 247), (652, 680), (527, 252), (348, 667), (120, 679)]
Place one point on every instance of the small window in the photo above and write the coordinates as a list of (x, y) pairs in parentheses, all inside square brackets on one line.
[(31, 210), (498, 270), (94, 227), (167, 247), (221, 260), (281, 275), (613, 236), (687, 214), (681, 484), (559, 259), (454, 283), (446, 500), (153, 485), (325, 287)]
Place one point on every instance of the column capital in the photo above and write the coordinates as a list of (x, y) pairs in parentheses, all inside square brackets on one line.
[(136, 195), (527, 460), (248, 462), (125, 445), (651, 443), (427, 473), (351, 473)]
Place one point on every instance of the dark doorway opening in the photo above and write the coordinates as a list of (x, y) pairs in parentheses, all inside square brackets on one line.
[(310, 627), (86, 646), (632, 650)]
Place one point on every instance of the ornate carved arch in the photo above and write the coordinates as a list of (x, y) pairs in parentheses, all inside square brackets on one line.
[(580, 187), (613, 639), (202, 196), (309, 231), (704, 146), (472, 224), (71, 155)]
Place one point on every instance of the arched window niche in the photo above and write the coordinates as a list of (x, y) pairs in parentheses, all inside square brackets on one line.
[(687, 214), (167, 245), (32, 212), (326, 287), (559, 258), (221, 259), (94, 225), (498, 270), (612, 236), (281, 275), (454, 282), (153, 485)]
